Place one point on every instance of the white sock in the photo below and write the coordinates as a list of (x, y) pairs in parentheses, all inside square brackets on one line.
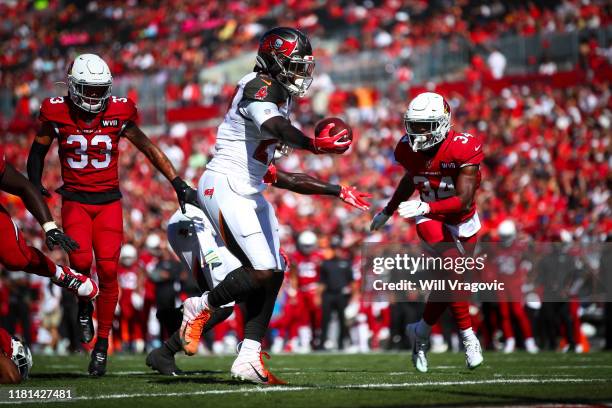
[(249, 347), (423, 330), (58, 272), (204, 301), (467, 334)]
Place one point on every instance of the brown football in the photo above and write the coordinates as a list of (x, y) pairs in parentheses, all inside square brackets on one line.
[(340, 125)]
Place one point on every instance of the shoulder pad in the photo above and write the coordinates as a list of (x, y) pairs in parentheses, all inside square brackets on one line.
[(55, 109), (466, 149), (121, 108), (264, 88), (403, 152)]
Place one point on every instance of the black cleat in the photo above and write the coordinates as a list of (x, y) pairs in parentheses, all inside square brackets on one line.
[(85, 321), (162, 361), (97, 364)]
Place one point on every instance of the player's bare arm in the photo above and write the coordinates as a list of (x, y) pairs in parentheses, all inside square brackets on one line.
[(186, 194), (15, 183), (304, 184), (467, 184), (284, 131), (36, 157), (404, 190)]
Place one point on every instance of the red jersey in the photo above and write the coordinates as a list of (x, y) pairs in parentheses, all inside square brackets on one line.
[(6, 345), (435, 177), (307, 269), (89, 151)]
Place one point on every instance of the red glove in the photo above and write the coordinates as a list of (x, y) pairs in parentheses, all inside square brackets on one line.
[(351, 196), (325, 143)]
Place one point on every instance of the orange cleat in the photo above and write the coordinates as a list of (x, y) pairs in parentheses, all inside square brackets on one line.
[(194, 319)]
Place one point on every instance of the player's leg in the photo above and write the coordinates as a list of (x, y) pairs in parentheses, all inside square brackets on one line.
[(260, 303), (107, 238), (518, 311), (187, 235), (234, 217), (77, 223), (16, 255), (506, 325)]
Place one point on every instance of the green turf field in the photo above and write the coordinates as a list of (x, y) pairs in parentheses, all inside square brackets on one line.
[(334, 380)]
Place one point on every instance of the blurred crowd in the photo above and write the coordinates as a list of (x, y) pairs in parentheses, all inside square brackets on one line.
[(40, 38), (547, 150)]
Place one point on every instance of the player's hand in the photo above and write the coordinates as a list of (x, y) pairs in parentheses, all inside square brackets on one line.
[(379, 220), (413, 208), (185, 194), (57, 237), (351, 196), (325, 143)]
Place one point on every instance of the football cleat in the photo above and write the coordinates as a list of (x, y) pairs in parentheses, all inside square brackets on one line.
[(530, 346), (86, 321), (419, 349), (97, 364), (510, 345), (162, 361), (473, 352), (194, 319), (81, 285), (252, 368)]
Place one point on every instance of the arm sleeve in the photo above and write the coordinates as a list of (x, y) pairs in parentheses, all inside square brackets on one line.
[(36, 162)]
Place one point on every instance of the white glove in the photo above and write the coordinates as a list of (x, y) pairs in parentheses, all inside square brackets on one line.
[(413, 208), (379, 220)]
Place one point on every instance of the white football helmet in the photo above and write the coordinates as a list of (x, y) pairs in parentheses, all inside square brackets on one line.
[(506, 231), (22, 357), (307, 242), (128, 255), (89, 82), (427, 121)]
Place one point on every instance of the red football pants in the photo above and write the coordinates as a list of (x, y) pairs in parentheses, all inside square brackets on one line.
[(16, 255), (438, 236), (98, 228), (509, 309)]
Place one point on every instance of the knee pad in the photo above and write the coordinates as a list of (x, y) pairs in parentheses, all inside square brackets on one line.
[(81, 261)]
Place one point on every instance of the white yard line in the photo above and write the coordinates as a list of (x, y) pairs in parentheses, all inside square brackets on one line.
[(264, 390)]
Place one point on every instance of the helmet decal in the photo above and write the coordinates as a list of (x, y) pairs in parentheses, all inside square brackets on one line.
[(275, 43)]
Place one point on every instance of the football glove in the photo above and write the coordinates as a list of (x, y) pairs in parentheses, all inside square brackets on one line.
[(379, 220), (325, 143), (185, 194), (413, 208), (57, 237), (351, 196)]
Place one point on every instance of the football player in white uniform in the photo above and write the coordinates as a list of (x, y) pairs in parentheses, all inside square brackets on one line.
[(230, 191), (204, 253)]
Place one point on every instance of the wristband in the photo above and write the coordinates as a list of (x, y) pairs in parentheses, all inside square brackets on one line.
[(50, 225)]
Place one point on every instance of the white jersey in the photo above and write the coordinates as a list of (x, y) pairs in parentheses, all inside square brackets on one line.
[(243, 151)]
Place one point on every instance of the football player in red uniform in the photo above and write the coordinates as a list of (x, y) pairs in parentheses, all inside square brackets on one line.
[(88, 124), (305, 276), (16, 255), (443, 165)]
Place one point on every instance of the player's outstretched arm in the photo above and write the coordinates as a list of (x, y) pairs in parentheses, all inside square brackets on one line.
[(36, 157), (185, 194), (467, 183), (304, 184), (404, 190), (283, 130), (15, 183)]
